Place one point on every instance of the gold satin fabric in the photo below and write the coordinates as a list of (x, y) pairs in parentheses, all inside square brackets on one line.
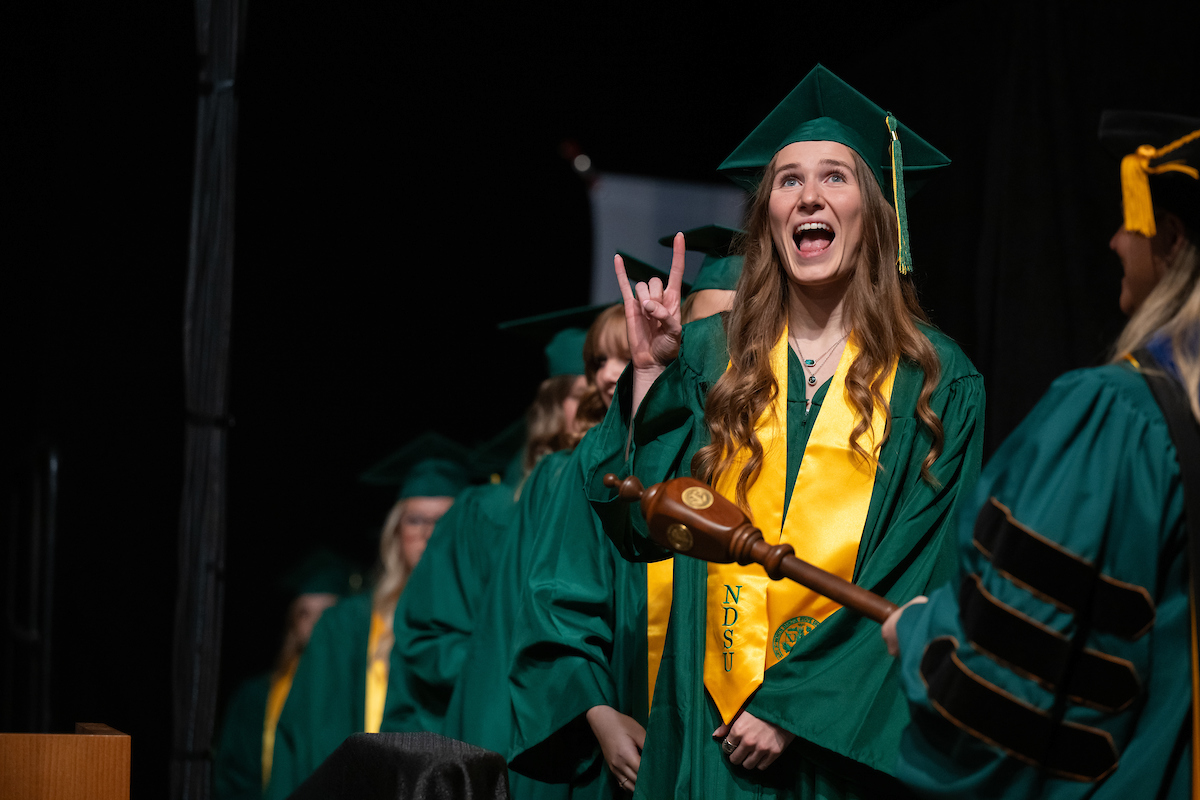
[(752, 621), (658, 612), (281, 684), (377, 677)]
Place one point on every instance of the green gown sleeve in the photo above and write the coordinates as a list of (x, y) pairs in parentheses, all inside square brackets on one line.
[(436, 614), (1092, 469), (327, 701), (580, 639), (238, 767)]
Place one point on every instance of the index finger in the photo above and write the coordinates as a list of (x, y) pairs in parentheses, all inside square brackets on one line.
[(675, 281), (622, 279)]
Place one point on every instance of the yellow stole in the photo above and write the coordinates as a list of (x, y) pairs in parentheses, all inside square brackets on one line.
[(280, 686), (377, 677), (658, 612), (752, 621)]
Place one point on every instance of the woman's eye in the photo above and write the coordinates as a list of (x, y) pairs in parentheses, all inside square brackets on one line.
[(790, 181), (837, 177)]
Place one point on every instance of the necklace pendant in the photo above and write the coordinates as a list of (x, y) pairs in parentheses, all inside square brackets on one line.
[(812, 380), (808, 362)]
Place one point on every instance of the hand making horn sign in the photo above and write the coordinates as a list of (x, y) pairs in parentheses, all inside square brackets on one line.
[(688, 517)]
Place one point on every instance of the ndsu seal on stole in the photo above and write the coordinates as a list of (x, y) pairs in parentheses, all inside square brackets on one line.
[(790, 632)]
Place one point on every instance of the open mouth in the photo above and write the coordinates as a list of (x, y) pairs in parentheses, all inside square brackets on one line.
[(812, 238)]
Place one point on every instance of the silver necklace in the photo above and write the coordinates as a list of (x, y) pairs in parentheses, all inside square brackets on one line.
[(811, 364)]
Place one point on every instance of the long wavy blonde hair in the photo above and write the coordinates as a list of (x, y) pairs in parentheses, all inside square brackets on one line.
[(607, 334), (392, 577), (880, 308), (1172, 308)]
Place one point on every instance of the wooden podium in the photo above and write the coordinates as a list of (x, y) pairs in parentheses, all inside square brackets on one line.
[(91, 764)]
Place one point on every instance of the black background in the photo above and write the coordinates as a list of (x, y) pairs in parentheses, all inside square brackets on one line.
[(400, 190)]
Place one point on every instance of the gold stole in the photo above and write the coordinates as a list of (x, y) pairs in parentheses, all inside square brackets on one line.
[(377, 677), (281, 684), (752, 621), (658, 612)]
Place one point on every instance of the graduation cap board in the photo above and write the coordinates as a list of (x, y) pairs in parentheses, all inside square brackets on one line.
[(823, 107), (322, 572), (563, 332), (429, 466), (499, 458), (1160, 154), (639, 271), (721, 268)]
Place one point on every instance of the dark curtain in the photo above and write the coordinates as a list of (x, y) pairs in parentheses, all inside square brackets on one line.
[(206, 335)]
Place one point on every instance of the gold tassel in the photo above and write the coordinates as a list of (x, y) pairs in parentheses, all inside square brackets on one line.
[(1135, 182)]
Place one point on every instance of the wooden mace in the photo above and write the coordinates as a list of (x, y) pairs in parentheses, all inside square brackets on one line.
[(688, 517)]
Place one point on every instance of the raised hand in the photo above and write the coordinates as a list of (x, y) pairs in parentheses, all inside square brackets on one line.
[(621, 740), (654, 321)]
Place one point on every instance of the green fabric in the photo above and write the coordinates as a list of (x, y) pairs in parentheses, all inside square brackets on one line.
[(327, 701), (823, 107), (481, 710), (238, 767), (837, 689), (437, 611), (579, 642), (564, 353), (1092, 469), (718, 273)]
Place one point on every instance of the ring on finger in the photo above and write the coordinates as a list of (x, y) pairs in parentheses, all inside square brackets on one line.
[(728, 746)]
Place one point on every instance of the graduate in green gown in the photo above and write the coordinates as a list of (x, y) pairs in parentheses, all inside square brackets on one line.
[(480, 710), (845, 425), (245, 749), (436, 616), (1057, 663), (341, 682), (591, 624)]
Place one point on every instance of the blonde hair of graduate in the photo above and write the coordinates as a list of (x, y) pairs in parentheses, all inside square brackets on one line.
[(393, 576), (1172, 308), (545, 421), (880, 307), (607, 334)]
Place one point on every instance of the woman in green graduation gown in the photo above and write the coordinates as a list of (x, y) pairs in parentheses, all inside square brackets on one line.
[(341, 681), (242, 766), (480, 709), (1057, 665), (847, 426), (591, 627), (437, 615)]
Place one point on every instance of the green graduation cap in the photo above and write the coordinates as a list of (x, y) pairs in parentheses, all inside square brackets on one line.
[(721, 268), (499, 458), (322, 572), (639, 271), (823, 107), (564, 333), (429, 466)]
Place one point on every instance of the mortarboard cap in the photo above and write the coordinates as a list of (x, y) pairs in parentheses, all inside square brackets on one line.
[(639, 271), (564, 353), (499, 458), (429, 466), (721, 268), (562, 331), (322, 572), (1160, 154), (823, 107)]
